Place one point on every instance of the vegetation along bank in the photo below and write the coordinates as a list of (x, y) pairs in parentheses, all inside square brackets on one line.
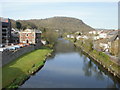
[(19, 70), (103, 59)]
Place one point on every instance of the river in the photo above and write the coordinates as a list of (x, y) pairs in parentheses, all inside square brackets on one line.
[(70, 68)]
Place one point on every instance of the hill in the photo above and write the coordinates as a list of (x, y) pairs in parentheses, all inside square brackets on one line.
[(65, 24)]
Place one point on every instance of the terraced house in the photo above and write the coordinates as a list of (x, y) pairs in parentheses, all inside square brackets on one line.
[(113, 43), (30, 36)]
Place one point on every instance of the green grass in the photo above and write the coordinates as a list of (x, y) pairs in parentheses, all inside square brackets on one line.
[(105, 59), (19, 69), (102, 57)]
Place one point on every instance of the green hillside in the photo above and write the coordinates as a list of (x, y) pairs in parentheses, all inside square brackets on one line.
[(65, 24)]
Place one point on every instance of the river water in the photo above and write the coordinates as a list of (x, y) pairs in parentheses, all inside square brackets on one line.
[(70, 68)]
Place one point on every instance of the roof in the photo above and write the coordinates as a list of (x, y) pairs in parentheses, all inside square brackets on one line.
[(114, 37), (4, 19), (28, 30), (38, 31), (32, 30), (113, 32), (102, 41)]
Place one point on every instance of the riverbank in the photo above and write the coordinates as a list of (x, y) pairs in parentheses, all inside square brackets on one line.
[(17, 71), (98, 56)]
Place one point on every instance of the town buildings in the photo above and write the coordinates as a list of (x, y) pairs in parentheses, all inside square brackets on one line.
[(15, 36), (103, 40), (0, 33), (114, 43), (30, 36), (5, 31)]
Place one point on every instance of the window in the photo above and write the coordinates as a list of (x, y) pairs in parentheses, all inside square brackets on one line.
[(27, 35), (27, 41)]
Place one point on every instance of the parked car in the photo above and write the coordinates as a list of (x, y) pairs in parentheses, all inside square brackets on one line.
[(2, 45), (11, 48), (27, 44), (1, 49), (21, 45), (24, 45), (17, 46)]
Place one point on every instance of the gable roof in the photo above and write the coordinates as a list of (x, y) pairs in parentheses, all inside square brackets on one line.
[(113, 32), (32, 30), (114, 37)]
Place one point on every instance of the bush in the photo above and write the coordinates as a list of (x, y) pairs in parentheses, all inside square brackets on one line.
[(104, 56), (50, 36)]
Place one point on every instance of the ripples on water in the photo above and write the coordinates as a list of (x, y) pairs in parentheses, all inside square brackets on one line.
[(69, 68)]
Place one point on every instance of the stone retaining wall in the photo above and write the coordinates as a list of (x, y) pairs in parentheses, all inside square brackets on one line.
[(8, 56)]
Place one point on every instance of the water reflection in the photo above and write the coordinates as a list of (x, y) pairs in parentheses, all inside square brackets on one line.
[(70, 68), (64, 46)]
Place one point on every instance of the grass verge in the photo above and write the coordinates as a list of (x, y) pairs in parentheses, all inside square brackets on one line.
[(99, 56), (20, 69)]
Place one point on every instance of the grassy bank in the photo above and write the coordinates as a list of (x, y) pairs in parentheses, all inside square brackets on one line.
[(20, 69), (100, 57)]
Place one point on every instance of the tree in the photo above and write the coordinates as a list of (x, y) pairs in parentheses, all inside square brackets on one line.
[(31, 25), (50, 36), (18, 25)]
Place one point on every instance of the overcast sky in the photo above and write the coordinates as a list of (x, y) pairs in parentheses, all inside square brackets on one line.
[(96, 13)]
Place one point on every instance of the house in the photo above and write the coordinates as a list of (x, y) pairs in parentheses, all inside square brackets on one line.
[(78, 33), (101, 45), (93, 32), (102, 35), (70, 36), (15, 36), (111, 33), (113, 39), (105, 47), (78, 37), (85, 37), (81, 37), (113, 43), (96, 37), (57, 30), (30, 36), (43, 42)]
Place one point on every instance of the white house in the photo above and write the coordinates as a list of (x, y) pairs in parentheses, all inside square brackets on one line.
[(102, 35), (43, 42), (78, 32), (104, 46), (78, 37), (85, 37), (93, 32), (57, 30), (99, 31), (70, 36), (96, 37)]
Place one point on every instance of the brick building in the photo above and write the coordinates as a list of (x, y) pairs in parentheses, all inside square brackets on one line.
[(5, 30), (30, 36)]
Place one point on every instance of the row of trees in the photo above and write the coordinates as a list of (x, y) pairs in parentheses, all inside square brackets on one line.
[(64, 24), (50, 36), (24, 25)]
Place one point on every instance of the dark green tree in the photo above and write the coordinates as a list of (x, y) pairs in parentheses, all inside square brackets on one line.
[(18, 25)]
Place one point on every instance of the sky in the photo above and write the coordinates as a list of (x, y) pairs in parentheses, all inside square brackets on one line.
[(95, 13)]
